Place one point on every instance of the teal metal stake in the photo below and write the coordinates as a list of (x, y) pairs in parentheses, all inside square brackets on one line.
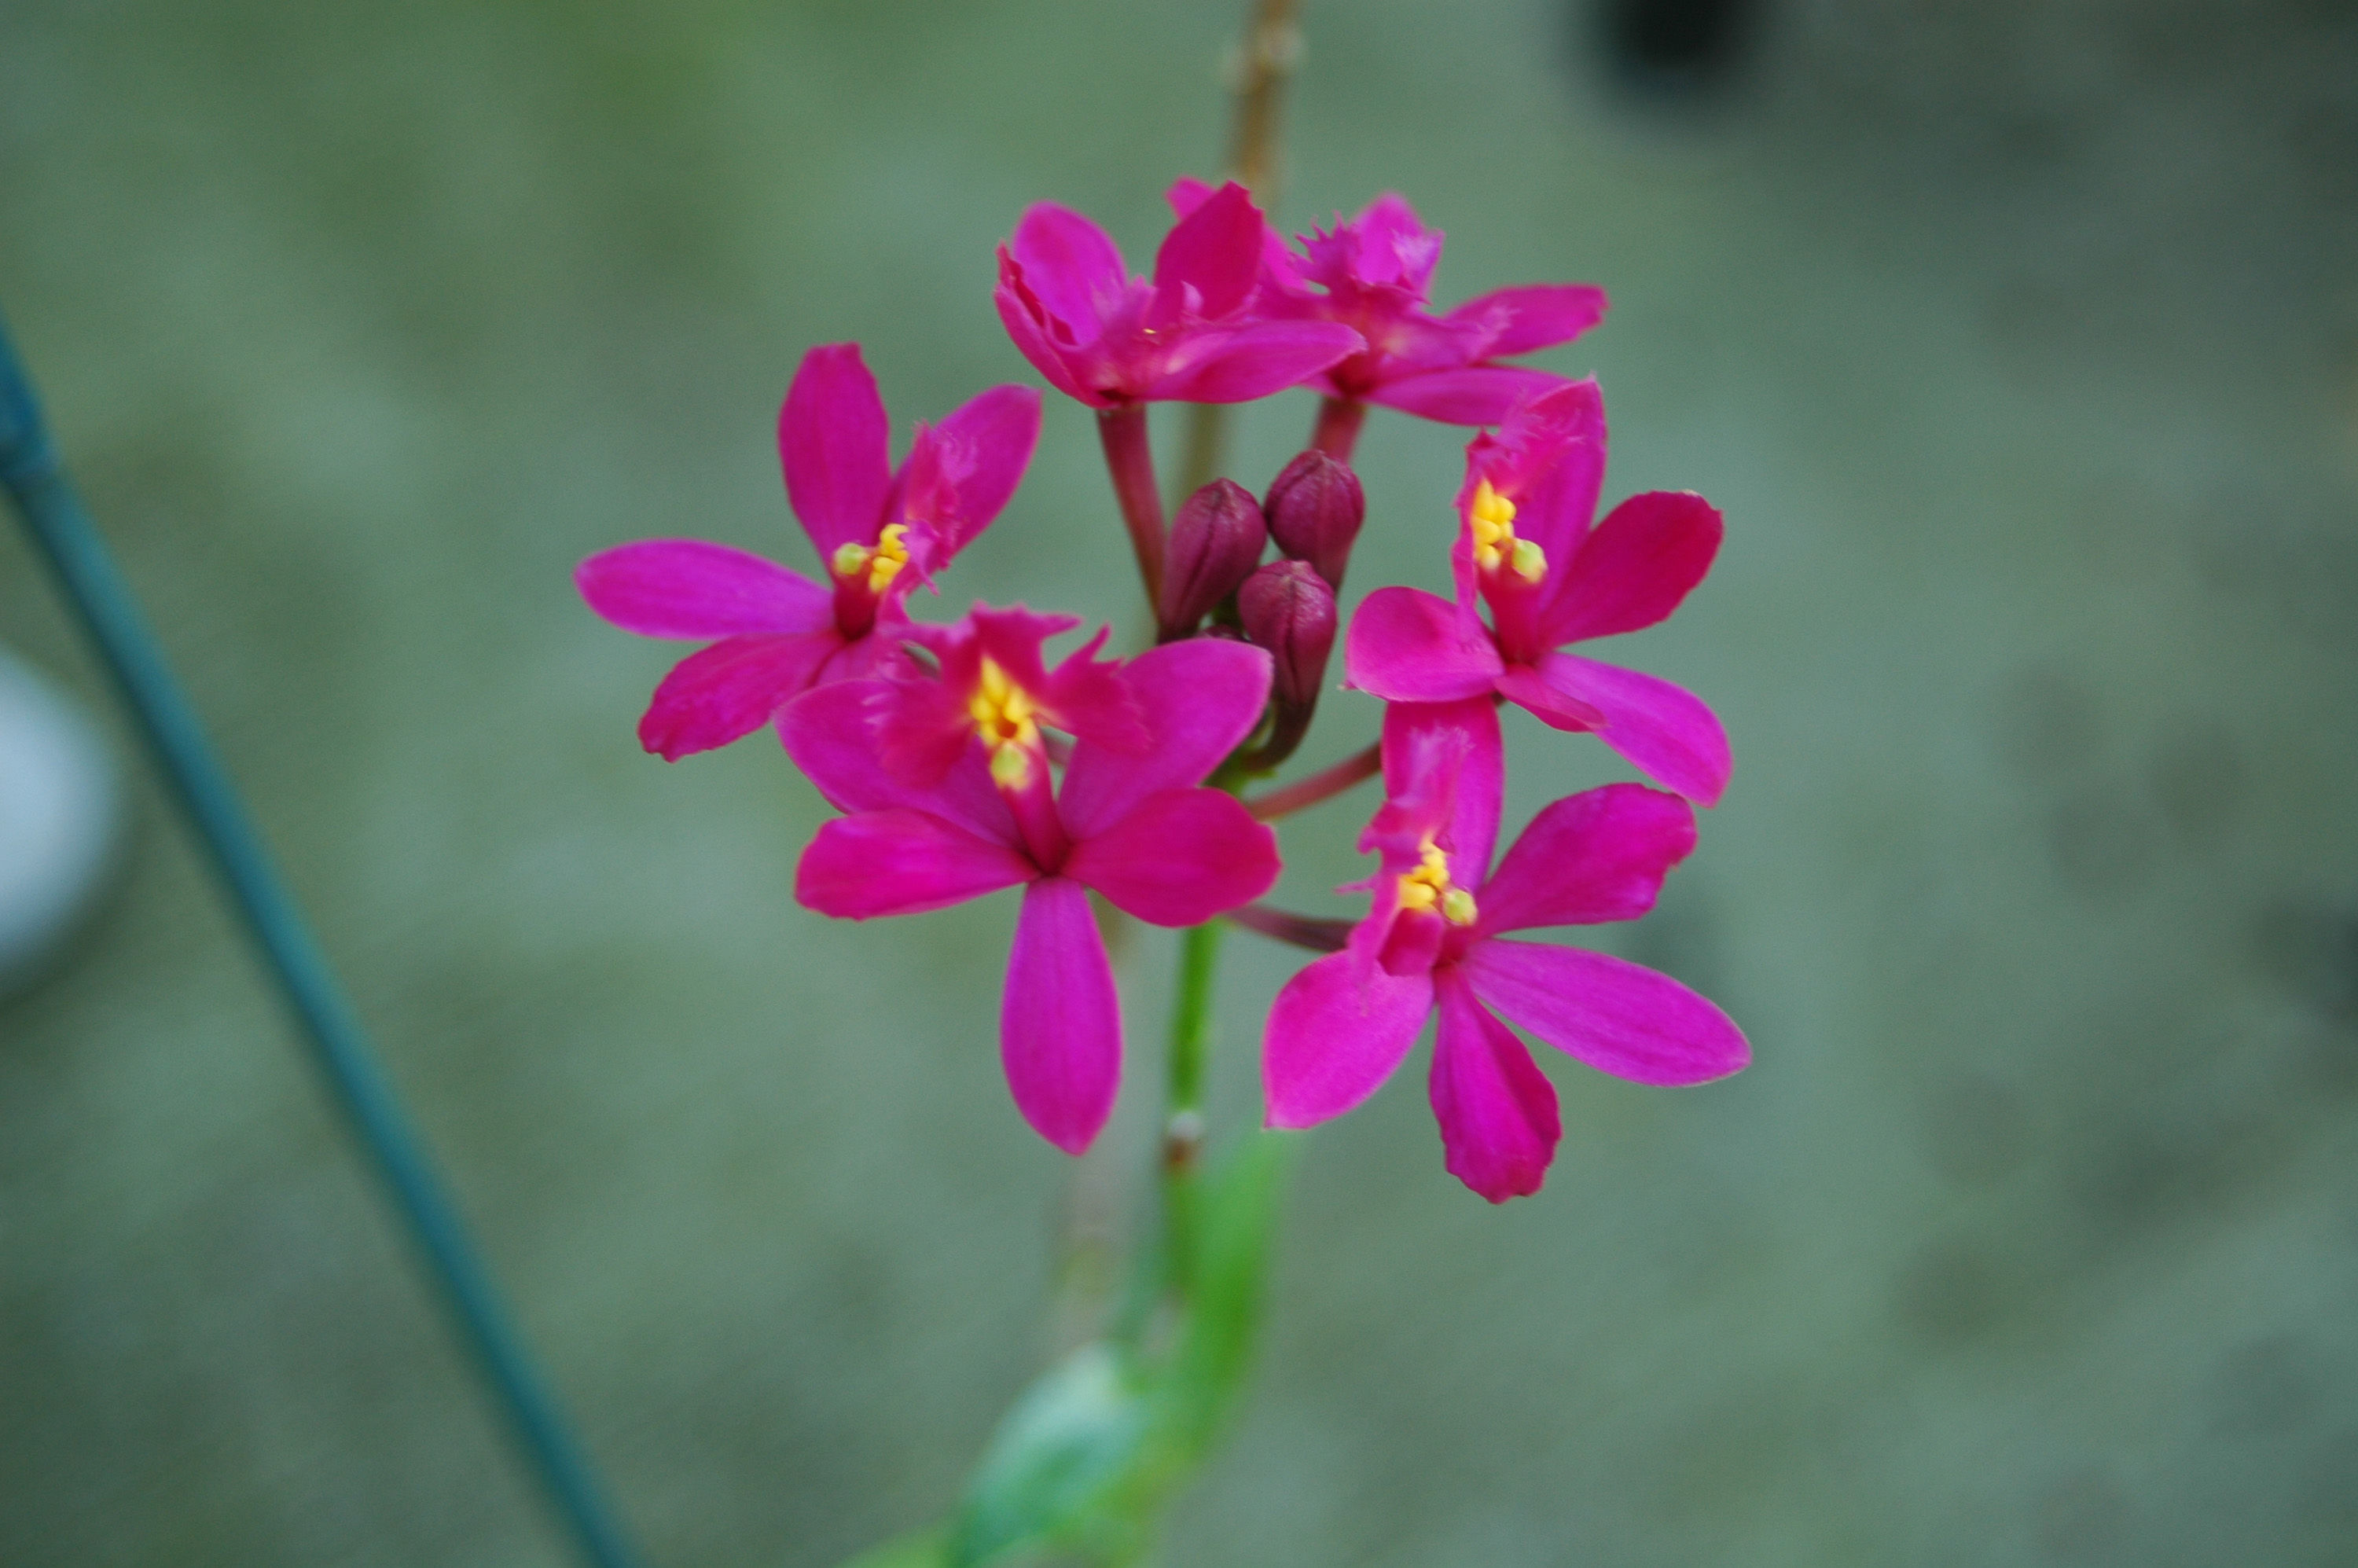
[(36, 480)]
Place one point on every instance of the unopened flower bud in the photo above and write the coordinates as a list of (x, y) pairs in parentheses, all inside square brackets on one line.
[(1288, 609), (1315, 510), (1215, 541)]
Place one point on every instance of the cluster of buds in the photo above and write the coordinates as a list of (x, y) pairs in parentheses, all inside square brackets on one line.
[(964, 760)]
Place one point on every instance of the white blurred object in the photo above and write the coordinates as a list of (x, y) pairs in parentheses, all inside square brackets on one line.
[(61, 820)]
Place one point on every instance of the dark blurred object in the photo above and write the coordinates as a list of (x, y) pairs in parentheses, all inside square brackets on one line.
[(1674, 47)]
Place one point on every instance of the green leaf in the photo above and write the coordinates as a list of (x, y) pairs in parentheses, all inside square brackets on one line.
[(1237, 1221), (1071, 1442)]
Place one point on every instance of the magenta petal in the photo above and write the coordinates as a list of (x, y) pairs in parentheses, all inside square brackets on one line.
[(1332, 1041), (730, 689), (691, 588), (1069, 266), (1213, 251), (1477, 395), (1254, 360), (1497, 1110), (830, 734), (1610, 1013), (901, 862), (1526, 687), (1407, 646), (1565, 432), (834, 439), (1060, 1019), (1182, 856), (990, 439), (1535, 315), (1599, 855), (1200, 698), (1479, 788), (1033, 342), (1637, 566), (1664, 731)]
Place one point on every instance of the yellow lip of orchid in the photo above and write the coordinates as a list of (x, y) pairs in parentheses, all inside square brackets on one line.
[(1004, 715), (881, 563), (1495, 544), (1429, 886)]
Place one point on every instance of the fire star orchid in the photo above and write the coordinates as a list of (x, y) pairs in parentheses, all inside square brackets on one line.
[(1372, 273), (879, 530), (1525, 547), (1433, 942), (1189, 333), (947, 783)]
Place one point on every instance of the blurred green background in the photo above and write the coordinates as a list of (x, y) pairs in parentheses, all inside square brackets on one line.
[(2020, 344)]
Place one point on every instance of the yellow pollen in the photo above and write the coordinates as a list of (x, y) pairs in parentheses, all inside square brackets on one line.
[(882, 564), (1428, 884), (1494, 543), (1003, 713)]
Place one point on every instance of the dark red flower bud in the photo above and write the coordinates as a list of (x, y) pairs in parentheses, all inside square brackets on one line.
[(1216, 542), (1287, 609), (1315, 510)]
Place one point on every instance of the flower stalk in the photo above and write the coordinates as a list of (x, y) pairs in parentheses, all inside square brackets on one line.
[(1129, 461)]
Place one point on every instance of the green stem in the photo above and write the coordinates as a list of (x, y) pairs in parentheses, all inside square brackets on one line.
[(1183, 1129)]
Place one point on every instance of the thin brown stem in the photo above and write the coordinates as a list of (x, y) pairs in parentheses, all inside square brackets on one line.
[(1323, 784), (1130, 459), (1270, 49), (1299, 930)]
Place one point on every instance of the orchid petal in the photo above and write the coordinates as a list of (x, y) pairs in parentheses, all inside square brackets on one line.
[(830, 733), (834, 439), (1473, 394), (1017, 313), (1560, 439), (1664, 731), (1060, 1019), (1213, 251), (1524, 686), (1497, 1110), (1407, 646), (730, 689), (1535, 315), (1069, 266), (900, 861), (1200, 698), (1596, 856), (1180, 858), (1633, 570), (692, 589), (993, 436), (1481, 784), (1610, 1013), (1331, 1041), (1253, 361)]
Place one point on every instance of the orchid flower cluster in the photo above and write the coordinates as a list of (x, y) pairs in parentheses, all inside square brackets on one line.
[(965, 759)]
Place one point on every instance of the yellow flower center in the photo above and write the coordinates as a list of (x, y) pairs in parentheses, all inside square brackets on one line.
[(1429, 886), (882, 564), (1494, 544), (1003, 713)]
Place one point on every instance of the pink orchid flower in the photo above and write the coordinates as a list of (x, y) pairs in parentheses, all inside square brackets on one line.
[(1525, 547), (1433, 941), (1375, 270), (1189, 333), (879, 530), (932, 824)]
